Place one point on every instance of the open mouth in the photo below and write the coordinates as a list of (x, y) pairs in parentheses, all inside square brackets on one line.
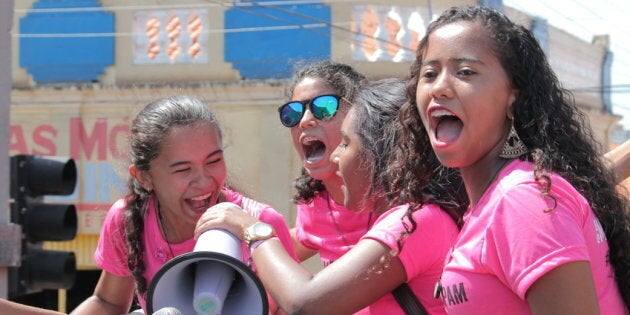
[(314, 149), (448, 126), (200, 203)]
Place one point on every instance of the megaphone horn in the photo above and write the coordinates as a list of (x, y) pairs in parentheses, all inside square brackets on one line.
[(210, 280)]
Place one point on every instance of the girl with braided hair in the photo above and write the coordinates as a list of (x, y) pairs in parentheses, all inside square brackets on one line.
[(177, 171)]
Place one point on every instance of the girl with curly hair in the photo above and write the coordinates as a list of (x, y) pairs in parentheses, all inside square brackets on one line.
[(546, 231), (319, 94)]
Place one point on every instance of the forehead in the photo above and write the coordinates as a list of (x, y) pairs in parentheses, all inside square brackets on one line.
[(191, 138), (347, 126), (309, 87), (459, 38)]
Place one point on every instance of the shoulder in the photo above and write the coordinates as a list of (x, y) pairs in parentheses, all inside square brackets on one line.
[(255, 208), (258, 209), (430, 214), (232, 196), (426, 215), (517, 187), (115, 213)]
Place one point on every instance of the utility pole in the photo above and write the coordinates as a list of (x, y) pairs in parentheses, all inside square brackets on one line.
[(9, 233)]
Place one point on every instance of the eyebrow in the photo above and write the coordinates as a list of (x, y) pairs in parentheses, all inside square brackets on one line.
[(343, 134), (456, 60), (215, 152)]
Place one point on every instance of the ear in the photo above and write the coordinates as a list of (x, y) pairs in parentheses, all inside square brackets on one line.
[(511, 100), (141, 177)]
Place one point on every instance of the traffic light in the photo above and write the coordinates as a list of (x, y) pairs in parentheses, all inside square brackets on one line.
[(33, 177)]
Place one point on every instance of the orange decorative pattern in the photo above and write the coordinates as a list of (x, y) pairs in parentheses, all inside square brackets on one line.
[(170, 36)]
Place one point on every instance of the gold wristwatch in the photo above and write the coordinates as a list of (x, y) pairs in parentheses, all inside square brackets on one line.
[(257, 232)]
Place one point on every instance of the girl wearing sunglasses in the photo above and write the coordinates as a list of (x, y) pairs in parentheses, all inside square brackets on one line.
[(407, 244), (319, 97)]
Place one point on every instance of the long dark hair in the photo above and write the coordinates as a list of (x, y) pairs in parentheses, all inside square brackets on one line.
[(546, 118), (148, 129), (375, 111), (342, 78)]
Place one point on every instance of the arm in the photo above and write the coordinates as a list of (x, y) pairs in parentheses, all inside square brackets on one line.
[(341, 288), (567, 289), (619, 159), (112, 295), (8, 307)]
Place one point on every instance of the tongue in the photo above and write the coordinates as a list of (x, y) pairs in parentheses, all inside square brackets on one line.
[(315, 151), (448, 130), (199, 204)]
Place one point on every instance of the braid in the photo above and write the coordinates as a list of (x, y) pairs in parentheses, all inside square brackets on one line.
[(134, 229)]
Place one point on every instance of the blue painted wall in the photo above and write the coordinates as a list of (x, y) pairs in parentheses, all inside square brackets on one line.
[(257, 51), (66, 59)]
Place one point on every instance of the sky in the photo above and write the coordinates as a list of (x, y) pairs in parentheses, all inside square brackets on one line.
[(586, 18)]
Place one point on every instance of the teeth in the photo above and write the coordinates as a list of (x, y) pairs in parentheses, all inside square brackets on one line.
[(307, 140), (440, 113), (201, 197)]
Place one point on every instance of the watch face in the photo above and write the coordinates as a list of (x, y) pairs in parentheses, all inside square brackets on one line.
[(262, 230), (258, 231)]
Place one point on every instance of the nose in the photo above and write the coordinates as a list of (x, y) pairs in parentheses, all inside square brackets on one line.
[(442, 87), (308, 120), (203, 177), (334, 156)]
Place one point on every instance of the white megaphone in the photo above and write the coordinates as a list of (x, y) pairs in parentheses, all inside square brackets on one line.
[(210, 280)]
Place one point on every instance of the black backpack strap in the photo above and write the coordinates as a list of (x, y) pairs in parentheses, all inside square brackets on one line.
[(408, 300)]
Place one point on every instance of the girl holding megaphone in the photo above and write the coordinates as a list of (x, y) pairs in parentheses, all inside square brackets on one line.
[(177, 171)]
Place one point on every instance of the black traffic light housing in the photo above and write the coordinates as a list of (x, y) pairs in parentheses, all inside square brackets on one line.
[(33, 177)]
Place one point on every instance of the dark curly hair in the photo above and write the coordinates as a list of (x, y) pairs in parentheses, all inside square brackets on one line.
[(545, 116), (340, 77), (148, 129), (376, 107)]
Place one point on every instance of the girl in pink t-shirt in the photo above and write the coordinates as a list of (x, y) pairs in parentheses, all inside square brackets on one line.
[(546, 230), (407, 244), (177, 171), (320, 94)]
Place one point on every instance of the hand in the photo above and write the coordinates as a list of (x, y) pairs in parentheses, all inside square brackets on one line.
[(227, 216)]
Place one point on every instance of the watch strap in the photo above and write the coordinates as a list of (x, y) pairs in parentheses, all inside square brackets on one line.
[(254, 244)]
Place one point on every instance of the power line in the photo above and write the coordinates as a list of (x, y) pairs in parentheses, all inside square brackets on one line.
[(207, 31), (554, 15), (172, 6), (616, 88), (336, 26), (574, 23), (244, 6)]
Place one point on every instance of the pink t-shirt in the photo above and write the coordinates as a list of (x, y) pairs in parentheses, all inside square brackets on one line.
[(111, 251), (509, 241), (329, 228), (422, 253)]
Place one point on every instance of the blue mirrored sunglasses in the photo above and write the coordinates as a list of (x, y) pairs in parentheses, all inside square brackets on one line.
[(323, 107)]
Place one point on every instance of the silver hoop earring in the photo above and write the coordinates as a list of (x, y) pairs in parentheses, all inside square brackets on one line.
[(513, 146)]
